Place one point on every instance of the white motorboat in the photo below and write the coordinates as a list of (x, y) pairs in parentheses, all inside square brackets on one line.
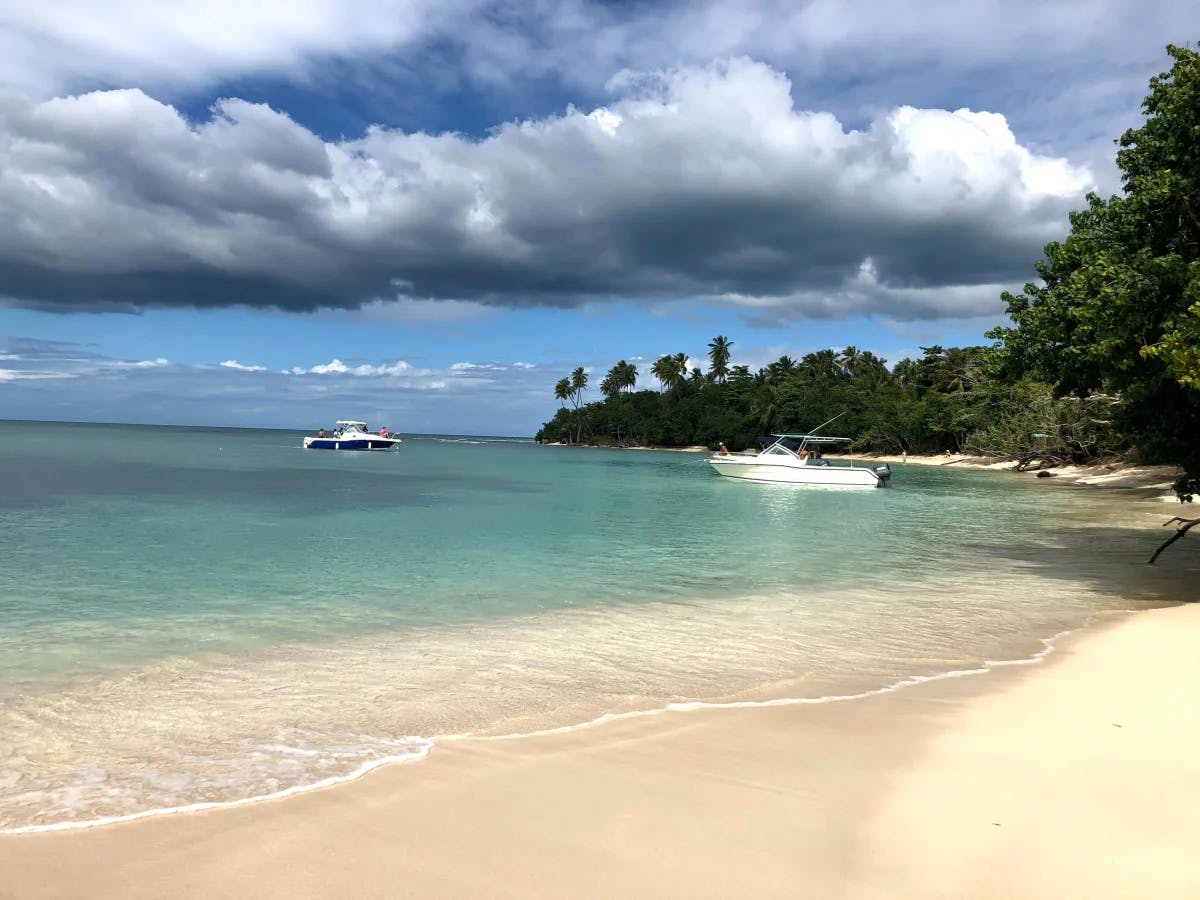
[(351, 435), (798, 459)]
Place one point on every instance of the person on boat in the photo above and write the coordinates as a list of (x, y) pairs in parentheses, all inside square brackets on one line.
[(383, 432), (804, 454), (723, 451), (320, 432)]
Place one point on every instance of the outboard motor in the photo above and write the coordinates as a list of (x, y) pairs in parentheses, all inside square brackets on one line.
[(884, 471)]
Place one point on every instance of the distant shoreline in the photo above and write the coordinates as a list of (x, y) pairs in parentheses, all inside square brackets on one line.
[(1104, 473)]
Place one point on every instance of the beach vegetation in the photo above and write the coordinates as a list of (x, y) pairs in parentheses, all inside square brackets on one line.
[(718, 355), (1116, 309), (1101, 357)]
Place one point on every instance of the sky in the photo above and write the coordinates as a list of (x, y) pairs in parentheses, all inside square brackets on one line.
[(423, 214)]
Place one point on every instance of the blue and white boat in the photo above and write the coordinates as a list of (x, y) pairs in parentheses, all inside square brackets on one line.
[(350, 435)]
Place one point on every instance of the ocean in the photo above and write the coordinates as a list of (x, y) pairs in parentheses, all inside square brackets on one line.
[(196, 616)]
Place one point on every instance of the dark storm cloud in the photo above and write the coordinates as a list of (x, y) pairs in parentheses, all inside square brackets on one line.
[(701, 183)]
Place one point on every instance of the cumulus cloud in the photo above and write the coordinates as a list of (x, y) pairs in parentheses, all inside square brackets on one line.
[(337, 367), (695, 182)]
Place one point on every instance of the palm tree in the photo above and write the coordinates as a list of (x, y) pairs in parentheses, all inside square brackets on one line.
[(670, 369), (562, 391), (620, 377), (718, 353), (628, 376), (822, 364), (781, 368), (850, 360), (681, 364), (579, 383), (662, 371)]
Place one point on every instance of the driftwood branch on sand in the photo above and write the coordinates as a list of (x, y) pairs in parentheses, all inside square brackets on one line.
[(1184, 526)]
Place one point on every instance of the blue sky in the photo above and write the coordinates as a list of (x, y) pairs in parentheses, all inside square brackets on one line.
[(424, 214)]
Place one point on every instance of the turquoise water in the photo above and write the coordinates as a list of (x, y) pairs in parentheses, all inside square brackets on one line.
[(202, 615)]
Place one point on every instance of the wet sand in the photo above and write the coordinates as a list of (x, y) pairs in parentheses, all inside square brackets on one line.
[(1074, 777)]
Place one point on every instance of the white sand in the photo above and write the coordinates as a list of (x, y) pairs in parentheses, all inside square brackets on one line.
[(1078, 777)]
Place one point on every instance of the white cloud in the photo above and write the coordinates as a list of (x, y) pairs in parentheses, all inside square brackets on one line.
[(116, 198), (234, 364), (60, 46), (337, 367), (17, 375)]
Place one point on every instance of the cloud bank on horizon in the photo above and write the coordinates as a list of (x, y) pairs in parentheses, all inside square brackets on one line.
[(71, 381)]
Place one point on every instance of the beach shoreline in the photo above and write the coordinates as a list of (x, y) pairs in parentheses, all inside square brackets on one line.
[(723, 799), (1102, 473), (1072, 777), (1106, 473)]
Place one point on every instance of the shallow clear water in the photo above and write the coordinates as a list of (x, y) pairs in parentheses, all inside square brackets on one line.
[(203, 615)]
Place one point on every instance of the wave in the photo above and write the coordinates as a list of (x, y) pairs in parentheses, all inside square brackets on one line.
[(418, 748)]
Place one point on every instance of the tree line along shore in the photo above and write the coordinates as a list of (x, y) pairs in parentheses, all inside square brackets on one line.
[(1101, 357)]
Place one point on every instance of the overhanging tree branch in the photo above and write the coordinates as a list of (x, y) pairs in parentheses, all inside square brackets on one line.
[(1184, 526)]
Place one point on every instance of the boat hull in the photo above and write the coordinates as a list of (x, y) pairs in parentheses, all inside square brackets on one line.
[(358, 442), (768, 471)]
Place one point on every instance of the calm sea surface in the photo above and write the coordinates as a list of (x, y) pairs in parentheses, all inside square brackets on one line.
[(194, 616)]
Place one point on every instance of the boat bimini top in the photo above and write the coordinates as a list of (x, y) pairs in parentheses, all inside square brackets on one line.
[(792, 443)]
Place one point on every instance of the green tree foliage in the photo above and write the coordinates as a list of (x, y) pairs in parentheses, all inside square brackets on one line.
[(1117, 308), (718, 355), (946, 400), (621, 377), (670, 370)]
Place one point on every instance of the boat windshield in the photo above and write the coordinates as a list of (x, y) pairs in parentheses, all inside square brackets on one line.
[(808, 445)]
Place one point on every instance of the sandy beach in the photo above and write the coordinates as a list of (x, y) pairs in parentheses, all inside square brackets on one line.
[(1073, 777), (1109, 473)]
